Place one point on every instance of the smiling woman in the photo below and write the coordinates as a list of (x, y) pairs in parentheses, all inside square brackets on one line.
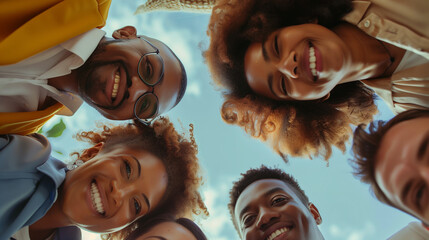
[(336, 54), (129, 172)]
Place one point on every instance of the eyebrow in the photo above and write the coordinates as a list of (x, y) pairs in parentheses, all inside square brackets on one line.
[(139, 173), (138, 165), (423, 147), (267, 193)]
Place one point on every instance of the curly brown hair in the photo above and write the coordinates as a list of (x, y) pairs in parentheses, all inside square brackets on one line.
[(255, 174), (307, 129), (235, 24), (365, 148), (178, 153)]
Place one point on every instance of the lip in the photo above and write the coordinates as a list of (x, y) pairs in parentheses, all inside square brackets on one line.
[(102, 197), (276, 227), (306, 62), (121, 86)]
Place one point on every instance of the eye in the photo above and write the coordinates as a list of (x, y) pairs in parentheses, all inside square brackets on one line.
[(137, 207), (279, 201), (148, 69), (283, 83), (127, 169), (248, 220), (419, 195), (276, 45)]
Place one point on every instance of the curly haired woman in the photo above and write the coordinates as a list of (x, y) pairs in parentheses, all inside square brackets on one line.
[(310, 51), (129, 172)]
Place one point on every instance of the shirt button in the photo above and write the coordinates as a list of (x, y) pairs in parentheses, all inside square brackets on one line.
[(367, 23)]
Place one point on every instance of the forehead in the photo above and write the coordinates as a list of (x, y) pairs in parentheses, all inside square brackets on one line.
[(168, 230), (255, 193), (257, 70), (168, 90), (395, 156)]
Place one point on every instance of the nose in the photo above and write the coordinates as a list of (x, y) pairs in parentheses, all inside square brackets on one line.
[(288, 65), (120, 192), (266, 216), (137, 88), (424, 171)]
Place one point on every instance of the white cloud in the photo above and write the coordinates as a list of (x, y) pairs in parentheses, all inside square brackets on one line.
[(340, 232), (193, 89)]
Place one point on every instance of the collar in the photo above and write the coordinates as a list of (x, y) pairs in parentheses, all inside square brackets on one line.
[(360, 7)]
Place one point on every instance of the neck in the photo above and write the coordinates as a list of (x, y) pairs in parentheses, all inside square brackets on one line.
[(369, 58), (66, 83), (52, 220)]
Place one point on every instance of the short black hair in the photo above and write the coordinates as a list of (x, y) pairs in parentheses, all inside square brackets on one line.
[(254, 174)]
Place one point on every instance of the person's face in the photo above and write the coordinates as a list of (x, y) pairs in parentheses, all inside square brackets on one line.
[(113, 189), (402, 167), (269, 209), (301, 62), (168, 231), (110, 81)]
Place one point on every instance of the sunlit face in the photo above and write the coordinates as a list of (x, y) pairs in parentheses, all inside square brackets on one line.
[(402, 166), (270, 209), (113, 189), (110, 81), (168, 231), (301, 62)]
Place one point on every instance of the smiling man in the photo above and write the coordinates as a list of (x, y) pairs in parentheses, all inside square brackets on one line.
[(393, 158), (124, 77), (268, 204)]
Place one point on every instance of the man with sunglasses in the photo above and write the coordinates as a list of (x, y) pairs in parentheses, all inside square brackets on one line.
[(127, 77)]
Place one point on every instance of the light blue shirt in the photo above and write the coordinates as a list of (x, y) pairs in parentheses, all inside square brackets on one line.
[(29, 179)]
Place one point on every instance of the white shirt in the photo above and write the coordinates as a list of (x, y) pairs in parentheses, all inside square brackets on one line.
[(413, 231), (24, 85)]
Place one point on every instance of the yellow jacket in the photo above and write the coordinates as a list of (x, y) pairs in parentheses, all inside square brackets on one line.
[(31, 26)]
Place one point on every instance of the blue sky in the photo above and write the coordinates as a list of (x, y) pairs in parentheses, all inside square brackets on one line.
[(349, 212)]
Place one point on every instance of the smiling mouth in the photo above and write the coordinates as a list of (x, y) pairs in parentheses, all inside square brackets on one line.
[(278, 232), (116, 86), (96, 199), (312, 61)]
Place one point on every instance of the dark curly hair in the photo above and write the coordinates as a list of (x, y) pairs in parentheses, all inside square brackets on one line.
[(234, 25), (145, 226), (308, 129), (178, 154), (365, 148), (255, 174)]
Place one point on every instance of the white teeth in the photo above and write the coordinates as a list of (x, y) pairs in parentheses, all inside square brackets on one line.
[(312, 60), (96, 200), (277, 233), (116, 85)]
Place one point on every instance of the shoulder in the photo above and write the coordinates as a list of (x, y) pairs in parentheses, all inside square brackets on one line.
[(14, 158)]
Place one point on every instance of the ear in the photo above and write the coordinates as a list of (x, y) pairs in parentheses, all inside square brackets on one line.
[(315, 212), (91, 152), (127, 32)]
